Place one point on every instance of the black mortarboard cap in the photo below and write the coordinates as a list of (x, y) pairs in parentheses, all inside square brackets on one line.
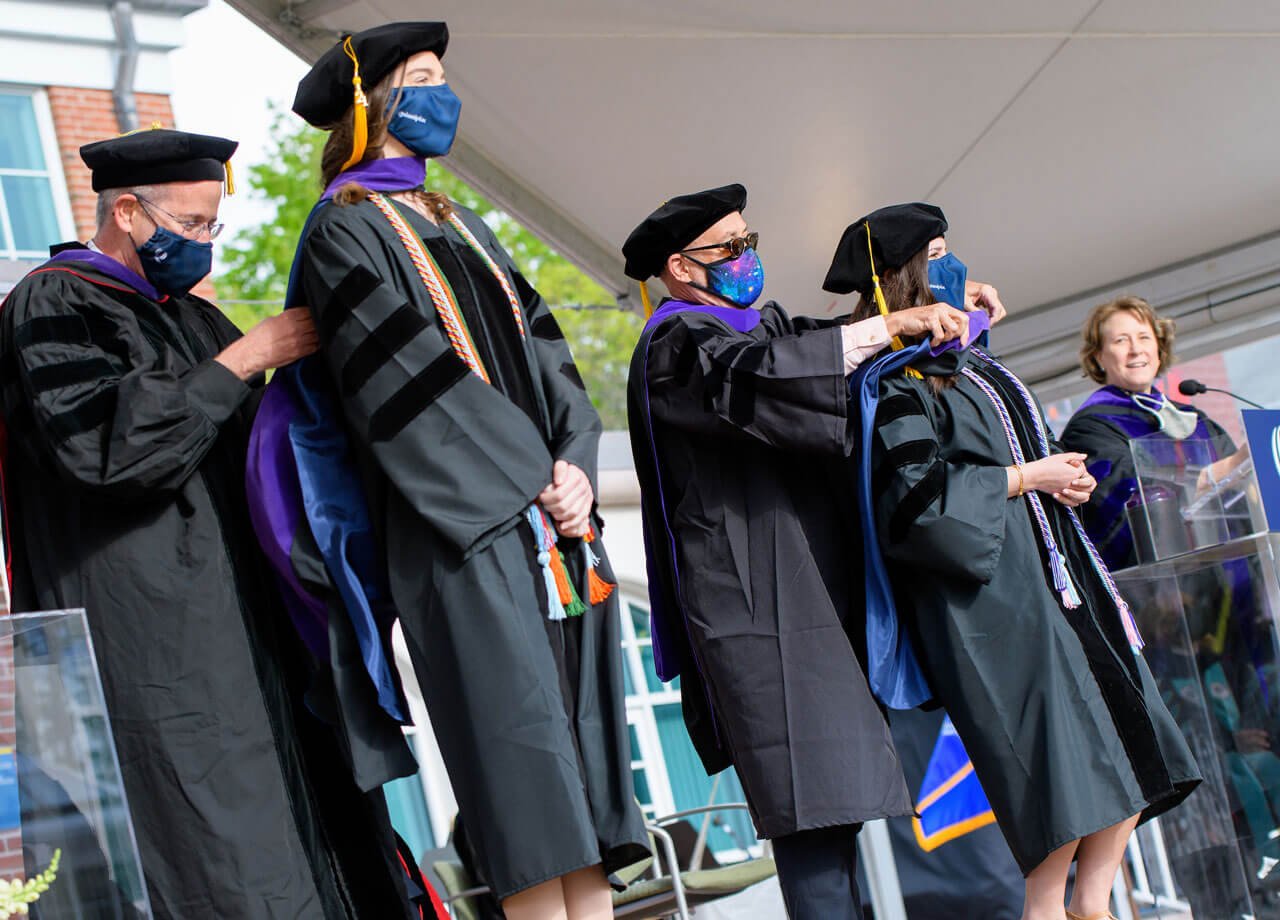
[(156, 156), (898, 232), (675, 225), (325, 93)]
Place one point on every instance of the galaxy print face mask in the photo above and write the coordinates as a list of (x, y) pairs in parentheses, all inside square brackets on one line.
[(739, 281)]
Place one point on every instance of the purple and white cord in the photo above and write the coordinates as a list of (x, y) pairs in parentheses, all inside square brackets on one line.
[(1126, 614), (1057, 565)]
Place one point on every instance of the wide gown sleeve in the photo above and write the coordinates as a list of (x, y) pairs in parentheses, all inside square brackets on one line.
[(465, 457), (1110, 462), (931, 512), (787, 390), (114, 417), (575, 424)]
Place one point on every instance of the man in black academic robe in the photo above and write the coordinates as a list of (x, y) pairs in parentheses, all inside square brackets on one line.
[(741, 435), (128, 402)]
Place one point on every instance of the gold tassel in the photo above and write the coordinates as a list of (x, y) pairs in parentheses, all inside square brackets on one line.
[(231, 179), (882, 305), (644, 299), (360, 128)]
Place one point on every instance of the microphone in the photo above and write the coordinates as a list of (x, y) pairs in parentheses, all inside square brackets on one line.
[(1195, 388)]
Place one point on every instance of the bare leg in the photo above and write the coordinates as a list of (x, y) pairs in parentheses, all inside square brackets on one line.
[(587, 894), (1047, 886), (1100, 854), (541, 902)]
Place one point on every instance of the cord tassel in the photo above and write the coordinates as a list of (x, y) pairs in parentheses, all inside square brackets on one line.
[(360, 110), (546, 545), (598, 590)]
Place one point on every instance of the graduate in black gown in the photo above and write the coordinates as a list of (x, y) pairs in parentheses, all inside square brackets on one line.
[(455, 392), (1017, 625), (128, 401), (741, 436)]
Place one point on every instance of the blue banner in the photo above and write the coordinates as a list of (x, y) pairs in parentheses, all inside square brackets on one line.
[(1262, 426), (10, 816), (951, 801)]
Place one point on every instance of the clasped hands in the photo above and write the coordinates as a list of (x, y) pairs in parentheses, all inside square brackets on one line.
[(1063, 476), (568, 499)]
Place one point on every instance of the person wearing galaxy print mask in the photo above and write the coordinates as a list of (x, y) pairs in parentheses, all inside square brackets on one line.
[(740, 431)]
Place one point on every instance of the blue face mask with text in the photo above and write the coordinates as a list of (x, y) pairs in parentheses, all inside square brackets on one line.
[(174, 264), (947, 276), (426, 120)]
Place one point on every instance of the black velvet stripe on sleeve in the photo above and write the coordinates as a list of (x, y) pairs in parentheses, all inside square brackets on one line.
[(346, 298), (897, 406), (570, 371), (415, 396), (545, 327), (88, 415), (69, 373), (909, 453), (914, 503), (43, 330), (391, 335)]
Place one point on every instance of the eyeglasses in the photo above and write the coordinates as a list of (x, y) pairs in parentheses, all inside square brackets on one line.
[(189, 227), (736, 246)]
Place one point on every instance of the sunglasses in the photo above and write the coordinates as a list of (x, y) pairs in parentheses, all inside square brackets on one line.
[(736, 246)]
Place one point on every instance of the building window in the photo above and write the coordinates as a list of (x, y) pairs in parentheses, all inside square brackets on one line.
[(665, 768), (30, 180), (407, 803)]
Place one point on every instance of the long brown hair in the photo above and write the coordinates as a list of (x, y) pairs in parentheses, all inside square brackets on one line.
[(384, 98), (905, 287)]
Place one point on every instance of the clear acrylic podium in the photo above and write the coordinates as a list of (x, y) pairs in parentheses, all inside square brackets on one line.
[(1206, 595), (60, 787)]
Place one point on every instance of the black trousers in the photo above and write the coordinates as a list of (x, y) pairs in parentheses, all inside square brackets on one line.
[(817, 871)]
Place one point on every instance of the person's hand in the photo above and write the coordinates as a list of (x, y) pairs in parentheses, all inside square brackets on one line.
[(568, 499), (979, 296), (1079, 491), (1055, 473), (1252, 740), (939, 321), (276, 341)]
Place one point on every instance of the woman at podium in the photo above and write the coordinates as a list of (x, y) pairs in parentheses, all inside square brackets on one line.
[(1126, 346)]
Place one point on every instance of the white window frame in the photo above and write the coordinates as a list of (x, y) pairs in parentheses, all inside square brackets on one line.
[(52, 171), (640, 706)]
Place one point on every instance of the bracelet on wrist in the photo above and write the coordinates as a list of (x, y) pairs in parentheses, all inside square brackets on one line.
[(1022, 482)]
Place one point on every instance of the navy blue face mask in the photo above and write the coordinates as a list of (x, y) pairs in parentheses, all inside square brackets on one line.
[(426, 119), (173, 263), (947, 276)]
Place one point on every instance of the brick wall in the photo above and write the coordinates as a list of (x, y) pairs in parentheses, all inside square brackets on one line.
[(81, 116), (1210, 370), (10, 838)]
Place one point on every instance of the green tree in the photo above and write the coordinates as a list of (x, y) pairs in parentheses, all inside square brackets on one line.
[(255, 264)]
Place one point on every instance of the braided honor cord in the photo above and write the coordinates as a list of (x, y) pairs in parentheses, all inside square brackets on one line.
[(1042, 438)]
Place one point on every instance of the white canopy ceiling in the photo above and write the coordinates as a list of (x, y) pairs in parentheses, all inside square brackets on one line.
[(1073, 143)]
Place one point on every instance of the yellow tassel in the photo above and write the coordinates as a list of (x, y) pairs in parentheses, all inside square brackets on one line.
[(360, 127), (644, 299), (881, 304), (231, 179)]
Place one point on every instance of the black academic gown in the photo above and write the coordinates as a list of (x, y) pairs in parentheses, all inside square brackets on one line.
[(125, 490), (749, 453), (1063, 722), (1105, 431), (529, 713)]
